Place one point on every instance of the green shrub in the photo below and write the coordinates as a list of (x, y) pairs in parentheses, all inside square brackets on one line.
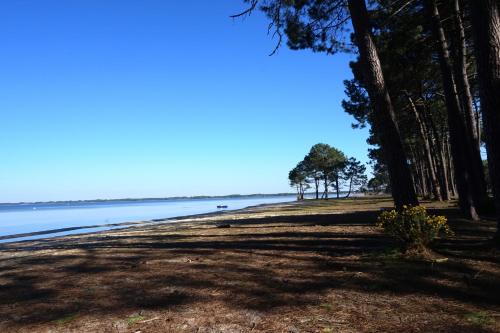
[(413, 226)]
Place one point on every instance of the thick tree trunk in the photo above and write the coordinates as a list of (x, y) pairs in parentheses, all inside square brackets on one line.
[(316, 184), (464, 90), (385, 125), (470, 189), (486, 27), (436, 189), (462, 79)]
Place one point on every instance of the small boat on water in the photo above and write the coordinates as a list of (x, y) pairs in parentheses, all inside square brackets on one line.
[(222, 206)]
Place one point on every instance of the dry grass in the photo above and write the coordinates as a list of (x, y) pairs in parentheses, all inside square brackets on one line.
[(302, 267)]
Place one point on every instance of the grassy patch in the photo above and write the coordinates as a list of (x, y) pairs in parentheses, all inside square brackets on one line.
[(327, 306), (388, 254), (479, 318), (65, 319), (134, 319)]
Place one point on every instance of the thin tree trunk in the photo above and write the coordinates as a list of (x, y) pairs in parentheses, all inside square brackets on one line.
[(486, 26), (443, 171), (451, 169), (423, 179), (350, 188), (417, 172), (337, 186), (438, 152), (414, 172), (439, 159), (326, 187), (469, 194), (385, 125), (436, 189), (477, 114)]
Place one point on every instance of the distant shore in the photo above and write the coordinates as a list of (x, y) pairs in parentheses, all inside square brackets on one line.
[(89, 201), (201, 197)]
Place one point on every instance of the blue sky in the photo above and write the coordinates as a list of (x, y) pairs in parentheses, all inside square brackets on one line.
[(153, 98)]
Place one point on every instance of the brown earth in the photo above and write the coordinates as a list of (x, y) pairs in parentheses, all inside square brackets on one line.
[(301, 267)]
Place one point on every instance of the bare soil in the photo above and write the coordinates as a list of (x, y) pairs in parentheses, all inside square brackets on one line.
[(300, 267)]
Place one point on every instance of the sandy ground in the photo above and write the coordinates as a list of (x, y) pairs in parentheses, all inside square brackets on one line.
[(300, 267)]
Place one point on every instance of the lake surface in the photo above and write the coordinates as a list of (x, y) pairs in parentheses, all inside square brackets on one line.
[(41, 220)]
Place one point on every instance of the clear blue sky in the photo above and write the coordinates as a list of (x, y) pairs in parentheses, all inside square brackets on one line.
[(150, 98)]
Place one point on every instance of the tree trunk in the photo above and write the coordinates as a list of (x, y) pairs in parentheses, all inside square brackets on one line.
[(461, 146), (423, 180), (450, 168), (326, 187), (337, 185), (415, 176), (438, 152), (316, 184), (436, 189), (384, 124), (443, 171), (350, 188), (477, 114), (486, 27), (466, 99), (460, 67)]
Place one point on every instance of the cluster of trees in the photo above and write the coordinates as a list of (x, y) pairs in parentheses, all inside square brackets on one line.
[(435, 97), (327, 167), (427, 81)]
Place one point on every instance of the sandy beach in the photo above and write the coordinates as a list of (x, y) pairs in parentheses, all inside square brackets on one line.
[(314, 266)]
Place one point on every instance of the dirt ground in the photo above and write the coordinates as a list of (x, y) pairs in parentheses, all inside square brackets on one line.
[(301, 267)]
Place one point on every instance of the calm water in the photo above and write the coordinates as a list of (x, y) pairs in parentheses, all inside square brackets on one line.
[(47, 220)]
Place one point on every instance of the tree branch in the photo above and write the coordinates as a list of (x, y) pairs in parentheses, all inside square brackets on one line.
[(248, 11)]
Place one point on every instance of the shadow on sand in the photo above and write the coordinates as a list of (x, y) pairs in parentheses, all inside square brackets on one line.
[(258, 264)]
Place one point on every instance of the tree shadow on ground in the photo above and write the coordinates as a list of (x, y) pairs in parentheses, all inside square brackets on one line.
[(259, 264)]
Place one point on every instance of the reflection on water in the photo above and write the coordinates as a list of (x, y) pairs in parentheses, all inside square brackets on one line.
[(45, 220)]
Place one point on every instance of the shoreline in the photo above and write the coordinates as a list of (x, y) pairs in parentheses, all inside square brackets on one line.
[(122, 226)]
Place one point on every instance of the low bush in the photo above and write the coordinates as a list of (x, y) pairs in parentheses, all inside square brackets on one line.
[(413, 226)]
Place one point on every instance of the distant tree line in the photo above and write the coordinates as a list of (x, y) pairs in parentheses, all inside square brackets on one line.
[(328, 168), (427, 81)]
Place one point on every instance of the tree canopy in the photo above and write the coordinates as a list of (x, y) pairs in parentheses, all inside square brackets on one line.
[(327, 166), (426, 82)]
